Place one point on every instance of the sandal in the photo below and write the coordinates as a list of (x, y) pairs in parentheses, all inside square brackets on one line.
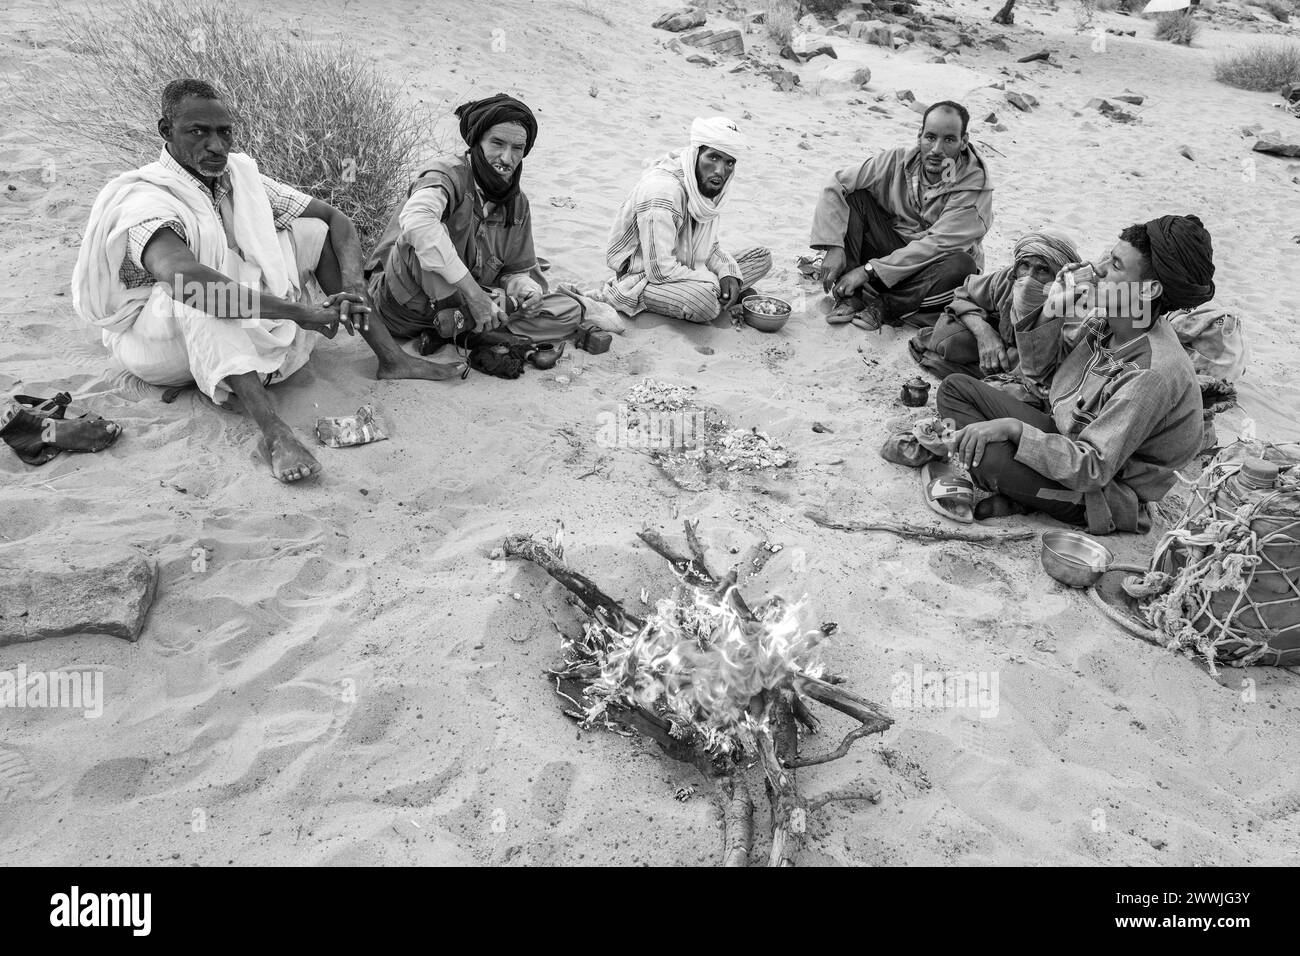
[(948, 493)]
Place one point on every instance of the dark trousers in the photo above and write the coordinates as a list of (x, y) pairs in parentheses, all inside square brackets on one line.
[(967, 400), (922, 296)]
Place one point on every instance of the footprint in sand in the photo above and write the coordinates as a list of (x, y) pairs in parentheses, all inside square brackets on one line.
[(963, 571), (112, 781), (551, 791), (17, 780)]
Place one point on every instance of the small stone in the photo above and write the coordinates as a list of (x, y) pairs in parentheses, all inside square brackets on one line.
[(1021, 101), (991, 118), (1186, 153), (680, 20)]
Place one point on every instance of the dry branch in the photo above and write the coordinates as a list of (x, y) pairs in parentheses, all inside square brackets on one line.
[(906, 529)]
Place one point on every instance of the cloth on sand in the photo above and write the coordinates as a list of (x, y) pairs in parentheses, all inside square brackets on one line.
[(1011, 306), (156, 336), (665, 247)]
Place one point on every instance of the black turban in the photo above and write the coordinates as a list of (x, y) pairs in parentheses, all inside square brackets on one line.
[(1183, 260), (479, 116)]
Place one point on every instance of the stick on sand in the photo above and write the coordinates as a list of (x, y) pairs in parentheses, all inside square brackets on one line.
[(909, 530)]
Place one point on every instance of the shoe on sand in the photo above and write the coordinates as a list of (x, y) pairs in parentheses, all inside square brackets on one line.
[(948, 493)]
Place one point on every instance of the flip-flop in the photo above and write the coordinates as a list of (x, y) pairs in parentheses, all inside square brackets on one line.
[(948, 493)]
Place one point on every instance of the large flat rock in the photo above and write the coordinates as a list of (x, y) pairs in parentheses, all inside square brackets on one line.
[(108, 592)]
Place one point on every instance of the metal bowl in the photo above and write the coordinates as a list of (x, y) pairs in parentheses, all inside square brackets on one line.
[(762, 320), (1075, 559)]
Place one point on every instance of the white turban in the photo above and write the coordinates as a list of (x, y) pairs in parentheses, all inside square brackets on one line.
[(720, 133)]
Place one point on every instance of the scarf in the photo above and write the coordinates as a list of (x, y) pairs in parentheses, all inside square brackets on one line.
[(479, 116), (1028, 295), (1182, 257)]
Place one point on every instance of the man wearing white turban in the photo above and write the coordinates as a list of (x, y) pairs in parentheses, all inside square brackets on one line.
[(664, 246)]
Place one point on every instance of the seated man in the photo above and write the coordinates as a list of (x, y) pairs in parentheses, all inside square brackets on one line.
[(995, 327), (197, 269), (903, 230), (1124, 407), (463, 240), (664, 246)]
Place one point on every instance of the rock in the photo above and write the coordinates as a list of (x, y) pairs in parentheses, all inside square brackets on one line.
[(1186, 153), (937, 59), (1133, 99), (998, 44), (808, 23), (1021, 101), (1109, 109), (905, 96), (716, 42), (902, 9), (701, 59), (107, 592), (999, 128), (1040, 55), (998, 86), (803, 144), (1253, 130), (681, 20), (1274, 144), (991, 118)]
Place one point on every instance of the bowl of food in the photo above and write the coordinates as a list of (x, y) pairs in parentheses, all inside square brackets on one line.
[(1075, 559), (766, 313)]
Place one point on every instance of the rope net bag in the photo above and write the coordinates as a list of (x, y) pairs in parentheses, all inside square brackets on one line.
[(1225, 579)]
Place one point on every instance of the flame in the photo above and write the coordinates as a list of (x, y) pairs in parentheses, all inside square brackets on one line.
[(699, 663)]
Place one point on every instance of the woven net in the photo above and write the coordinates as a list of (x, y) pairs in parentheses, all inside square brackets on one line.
[(1225, 579)]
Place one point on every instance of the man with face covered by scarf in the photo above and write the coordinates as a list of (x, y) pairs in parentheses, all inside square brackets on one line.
[(664, 246), (1124, 409), (994, 329), (463, 240)]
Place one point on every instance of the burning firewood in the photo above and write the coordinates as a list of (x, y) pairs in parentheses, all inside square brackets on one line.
[(714, 682)]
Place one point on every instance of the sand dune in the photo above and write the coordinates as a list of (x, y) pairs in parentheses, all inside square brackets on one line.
[(351, 680)]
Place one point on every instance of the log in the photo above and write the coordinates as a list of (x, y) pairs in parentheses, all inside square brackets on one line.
[(906, 529), (738, 821), (586, 590)]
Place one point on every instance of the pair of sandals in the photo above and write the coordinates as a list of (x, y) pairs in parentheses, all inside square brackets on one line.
[(39, 429), (867, 314), (540, 355), (947, 486)]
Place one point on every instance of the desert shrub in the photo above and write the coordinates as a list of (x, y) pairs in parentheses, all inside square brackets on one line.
[(315, 115), (1279, 10), (1177, 27), (781, 18), (1264, 66), (824, 8)]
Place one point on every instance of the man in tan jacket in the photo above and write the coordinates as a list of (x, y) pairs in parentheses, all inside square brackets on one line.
[(903, 230)]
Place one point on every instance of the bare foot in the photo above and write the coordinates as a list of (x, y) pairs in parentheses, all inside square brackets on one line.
[(410, 367), (290, 461)]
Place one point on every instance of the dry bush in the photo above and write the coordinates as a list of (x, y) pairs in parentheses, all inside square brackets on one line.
[(1084, 11), (316, 115), (781, 18), (1178, 27), (1278, 9), (1267, 67)]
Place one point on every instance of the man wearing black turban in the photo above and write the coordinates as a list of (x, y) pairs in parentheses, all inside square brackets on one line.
[(1124, 409), (462, 243)]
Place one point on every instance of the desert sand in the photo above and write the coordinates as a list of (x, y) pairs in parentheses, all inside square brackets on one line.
[(352, 681)]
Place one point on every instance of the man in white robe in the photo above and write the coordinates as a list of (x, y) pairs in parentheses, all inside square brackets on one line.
[(197, 268)]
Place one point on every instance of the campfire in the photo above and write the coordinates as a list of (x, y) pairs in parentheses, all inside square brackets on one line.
[(713, 681)]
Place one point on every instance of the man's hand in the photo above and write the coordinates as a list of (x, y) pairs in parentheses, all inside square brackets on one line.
[(351, 306), (971, 441), (485, 312), (832, 268), (321, 319), (993, 354), (850, 282), (728, 292), (530, 302)]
